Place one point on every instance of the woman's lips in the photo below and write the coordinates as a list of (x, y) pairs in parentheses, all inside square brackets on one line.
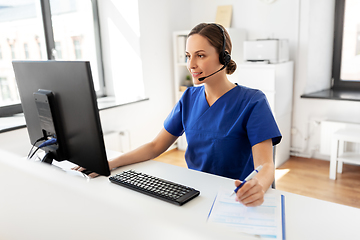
[(196, 74)]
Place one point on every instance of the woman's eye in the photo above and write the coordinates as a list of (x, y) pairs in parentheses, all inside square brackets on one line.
[(188, 57)]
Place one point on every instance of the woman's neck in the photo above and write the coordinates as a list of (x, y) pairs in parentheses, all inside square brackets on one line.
[(217, 88)]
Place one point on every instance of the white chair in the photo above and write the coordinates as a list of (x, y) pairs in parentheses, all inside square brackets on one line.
[(338, 155)]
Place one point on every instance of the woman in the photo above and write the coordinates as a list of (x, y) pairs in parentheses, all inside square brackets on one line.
[(230, 129)]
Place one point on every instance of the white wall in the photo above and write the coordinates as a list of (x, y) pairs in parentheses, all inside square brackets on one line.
[(260, 20)]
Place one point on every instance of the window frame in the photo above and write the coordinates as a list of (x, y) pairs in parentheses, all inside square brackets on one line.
[(340, 84), (9, 110)]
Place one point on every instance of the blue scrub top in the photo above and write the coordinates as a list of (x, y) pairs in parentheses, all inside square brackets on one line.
[(220, 137)]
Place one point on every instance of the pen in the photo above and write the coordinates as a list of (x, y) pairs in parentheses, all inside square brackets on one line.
[(248, 178)]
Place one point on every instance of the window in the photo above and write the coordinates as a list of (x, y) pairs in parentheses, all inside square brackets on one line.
[(19, 23), (12, 49), (39, 48), (74, 33), (346, 57), (47, 29), (77, 48), (58, 50), (26, 50), (5, 89)]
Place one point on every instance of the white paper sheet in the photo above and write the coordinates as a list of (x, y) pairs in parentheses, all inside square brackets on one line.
[(265, 221)]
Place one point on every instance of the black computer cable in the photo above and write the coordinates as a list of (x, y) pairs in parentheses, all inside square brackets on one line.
[(40, 139), (49, 142)]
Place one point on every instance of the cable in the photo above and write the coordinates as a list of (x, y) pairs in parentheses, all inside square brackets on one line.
[(34, 153), (49, 142), (40, 139)]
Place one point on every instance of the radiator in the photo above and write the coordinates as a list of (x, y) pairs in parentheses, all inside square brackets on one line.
[(117, 141)]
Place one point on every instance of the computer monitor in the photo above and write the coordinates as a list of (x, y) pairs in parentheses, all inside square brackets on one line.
[(59, 101)]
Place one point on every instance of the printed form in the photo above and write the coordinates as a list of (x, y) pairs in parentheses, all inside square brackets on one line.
[(265, 221)]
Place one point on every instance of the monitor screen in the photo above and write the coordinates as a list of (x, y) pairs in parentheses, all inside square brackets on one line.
[(66, 88)]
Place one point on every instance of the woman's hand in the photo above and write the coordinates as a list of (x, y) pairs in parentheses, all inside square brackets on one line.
[(251, 194), (81, 169)]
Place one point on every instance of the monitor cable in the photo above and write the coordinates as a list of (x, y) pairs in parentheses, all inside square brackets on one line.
[(48, 142), (40, 139)]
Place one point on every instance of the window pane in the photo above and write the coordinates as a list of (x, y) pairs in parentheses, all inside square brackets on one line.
[(350, 59), (21, 37), (73, 27)]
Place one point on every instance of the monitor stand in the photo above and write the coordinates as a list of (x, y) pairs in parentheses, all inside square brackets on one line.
[(48, 158)]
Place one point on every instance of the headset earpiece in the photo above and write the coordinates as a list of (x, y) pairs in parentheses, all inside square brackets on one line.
[(224, 56)]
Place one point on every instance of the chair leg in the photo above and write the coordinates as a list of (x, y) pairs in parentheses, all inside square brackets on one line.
[(339, 166), (333, 157), (274, 151), (340, 152)]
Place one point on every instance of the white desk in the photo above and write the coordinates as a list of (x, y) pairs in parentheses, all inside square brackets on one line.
[(41, 202)]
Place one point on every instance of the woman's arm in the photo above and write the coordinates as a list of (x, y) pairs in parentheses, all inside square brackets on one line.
[(145, 152), (252, 193)]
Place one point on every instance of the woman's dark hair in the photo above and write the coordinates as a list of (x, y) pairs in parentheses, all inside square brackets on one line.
[(215, 36)]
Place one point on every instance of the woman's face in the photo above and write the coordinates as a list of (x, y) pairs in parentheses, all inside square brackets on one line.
[(202, 58)]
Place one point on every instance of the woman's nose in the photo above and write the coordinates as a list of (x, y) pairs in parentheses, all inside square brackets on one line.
[(191, 63)]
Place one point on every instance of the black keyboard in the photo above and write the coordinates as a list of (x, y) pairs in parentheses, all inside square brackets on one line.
[(155, 187)]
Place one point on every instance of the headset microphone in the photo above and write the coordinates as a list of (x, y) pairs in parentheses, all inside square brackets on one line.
[(224, 56), (202, 78)]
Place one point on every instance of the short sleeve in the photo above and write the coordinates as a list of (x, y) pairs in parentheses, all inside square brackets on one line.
[(261, 124), (173, 122)]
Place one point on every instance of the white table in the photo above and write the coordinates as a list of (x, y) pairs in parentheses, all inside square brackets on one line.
[(41, 202)]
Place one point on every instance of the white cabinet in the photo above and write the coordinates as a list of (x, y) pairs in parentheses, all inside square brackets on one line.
[(276, 81), (238, 36)]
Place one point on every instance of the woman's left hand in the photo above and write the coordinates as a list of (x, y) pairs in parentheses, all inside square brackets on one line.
[(81, 169), (251, 194)]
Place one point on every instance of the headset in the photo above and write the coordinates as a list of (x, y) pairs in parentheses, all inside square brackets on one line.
[(224, 56)]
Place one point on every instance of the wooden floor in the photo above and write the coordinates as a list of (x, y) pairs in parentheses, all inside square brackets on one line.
[(307, 177)]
